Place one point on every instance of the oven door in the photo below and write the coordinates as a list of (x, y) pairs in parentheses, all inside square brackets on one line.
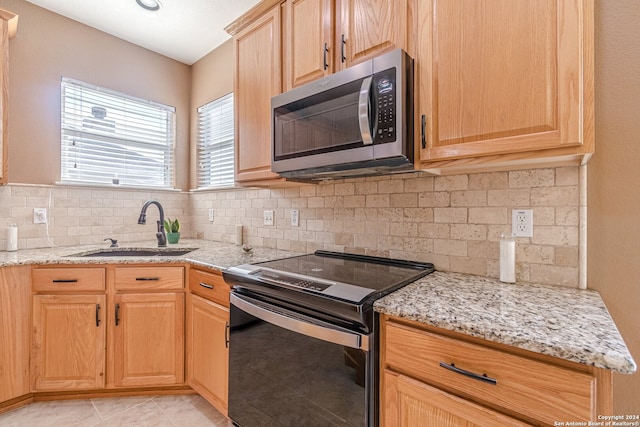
[(287, 369)]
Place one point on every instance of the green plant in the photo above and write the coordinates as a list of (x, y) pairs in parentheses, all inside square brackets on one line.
[(171, 226)]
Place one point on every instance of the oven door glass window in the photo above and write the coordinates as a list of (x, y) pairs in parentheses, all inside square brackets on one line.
[(282, 378)]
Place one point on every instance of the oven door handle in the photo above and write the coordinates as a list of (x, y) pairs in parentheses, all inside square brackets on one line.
[(301, 324)]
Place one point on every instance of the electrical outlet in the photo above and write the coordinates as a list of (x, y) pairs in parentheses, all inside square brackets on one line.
[(295, 217), (267, 218), (522, 222), (39, 215), (211, 215)]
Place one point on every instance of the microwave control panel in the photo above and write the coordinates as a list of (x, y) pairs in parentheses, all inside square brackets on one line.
[(384, 86)]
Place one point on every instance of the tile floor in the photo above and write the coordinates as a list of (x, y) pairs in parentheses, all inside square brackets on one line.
[(140, 411)]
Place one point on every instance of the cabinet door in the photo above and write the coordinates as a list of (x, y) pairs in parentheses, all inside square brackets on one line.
[(208, 350), (8, 27), (308, 39), (368, 28), (15, 318), (68, 348), (410, 403), (149, 339), (257, 79), (500, 76)]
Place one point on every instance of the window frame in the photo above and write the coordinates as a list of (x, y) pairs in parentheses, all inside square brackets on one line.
[(205, 177), (142, 143)]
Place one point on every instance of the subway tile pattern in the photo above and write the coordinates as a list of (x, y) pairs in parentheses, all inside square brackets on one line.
[(453, 221), (79, 215)]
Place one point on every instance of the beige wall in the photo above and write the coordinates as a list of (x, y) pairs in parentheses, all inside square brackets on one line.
[(614, 182), (48, 47)]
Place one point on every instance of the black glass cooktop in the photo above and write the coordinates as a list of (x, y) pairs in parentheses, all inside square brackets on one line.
[(373, 273)]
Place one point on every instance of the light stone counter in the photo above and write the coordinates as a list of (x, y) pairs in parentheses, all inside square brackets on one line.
[(567, 323), (217, 255), (563, 322)]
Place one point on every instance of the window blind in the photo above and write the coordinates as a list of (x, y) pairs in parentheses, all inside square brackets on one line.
[(113, 138), (215, 143)]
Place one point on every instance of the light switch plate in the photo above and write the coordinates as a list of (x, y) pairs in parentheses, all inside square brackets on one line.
[(295, 217), (211, 215), (268, 218)]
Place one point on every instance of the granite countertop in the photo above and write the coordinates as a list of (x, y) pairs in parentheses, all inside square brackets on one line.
[(567, 323), (216, 255)]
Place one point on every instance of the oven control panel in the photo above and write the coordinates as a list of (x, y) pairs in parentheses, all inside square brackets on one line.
[(290, 280)]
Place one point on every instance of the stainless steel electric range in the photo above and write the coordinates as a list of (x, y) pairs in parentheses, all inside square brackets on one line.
[(303, 344)]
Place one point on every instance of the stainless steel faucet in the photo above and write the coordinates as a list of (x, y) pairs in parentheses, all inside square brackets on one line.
[(162, 238)]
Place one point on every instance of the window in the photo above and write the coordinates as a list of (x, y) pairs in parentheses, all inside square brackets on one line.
[(112, 138), (215, 143)]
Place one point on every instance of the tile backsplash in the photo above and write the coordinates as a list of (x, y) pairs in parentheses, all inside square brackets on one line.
[(79, 215), (453, 221)]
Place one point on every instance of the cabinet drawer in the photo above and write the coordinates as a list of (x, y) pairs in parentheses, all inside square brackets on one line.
[(533, 388), (210, 286), (68, 279), (136, 278)]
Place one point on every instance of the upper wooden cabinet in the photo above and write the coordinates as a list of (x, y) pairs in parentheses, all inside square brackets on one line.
[(369, 28), (308, 41), (8, 27), (500, 80), (322, 36), (257, 79)]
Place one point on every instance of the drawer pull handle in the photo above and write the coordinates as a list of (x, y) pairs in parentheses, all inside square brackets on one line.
[(483, 377), (65, 280), (148, 279), (204, 285)]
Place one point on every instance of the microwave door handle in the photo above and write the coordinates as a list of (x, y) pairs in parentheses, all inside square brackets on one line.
[(364, 111)]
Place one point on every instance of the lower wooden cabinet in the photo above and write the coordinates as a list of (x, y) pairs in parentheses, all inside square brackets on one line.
[(107, 327), (149, 344), (208, 350), (68, 348), (411, 403), (15, 318), (435, 377)]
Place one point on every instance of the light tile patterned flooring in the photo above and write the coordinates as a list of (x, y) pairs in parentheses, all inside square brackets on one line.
[(140, 411)]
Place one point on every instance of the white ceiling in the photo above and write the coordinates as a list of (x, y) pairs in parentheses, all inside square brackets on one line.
[(185, 30)]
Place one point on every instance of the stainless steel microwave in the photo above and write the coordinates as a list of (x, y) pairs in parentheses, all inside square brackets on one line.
[(356, 122)]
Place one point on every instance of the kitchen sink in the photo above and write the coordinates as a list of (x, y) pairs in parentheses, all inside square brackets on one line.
[(134, 252)]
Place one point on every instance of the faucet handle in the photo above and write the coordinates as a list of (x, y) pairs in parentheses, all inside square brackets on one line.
[(114, 242)]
